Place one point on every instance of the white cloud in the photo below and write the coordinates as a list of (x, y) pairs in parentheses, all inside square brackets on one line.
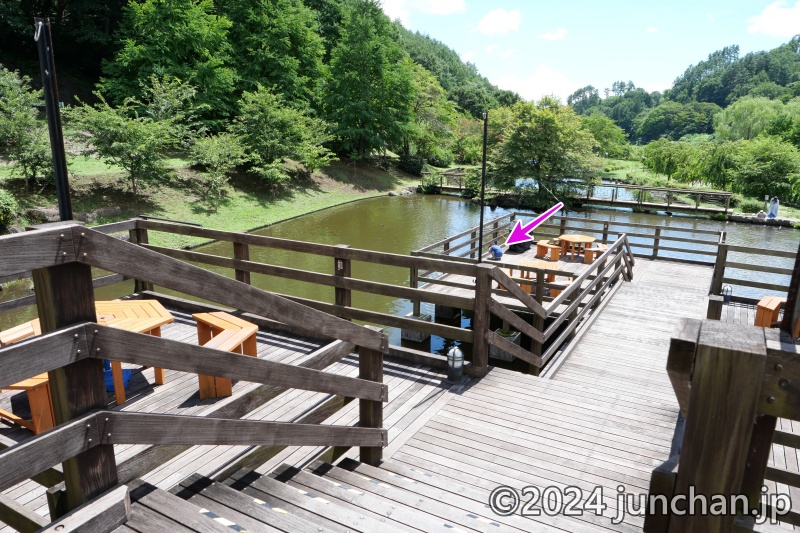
[(543, 81), (507, 53), (500, 22), (557, 35), (404, 9), (777, 19), (652, 29)]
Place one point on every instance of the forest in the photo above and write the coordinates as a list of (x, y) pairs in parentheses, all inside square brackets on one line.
[(274, 90)]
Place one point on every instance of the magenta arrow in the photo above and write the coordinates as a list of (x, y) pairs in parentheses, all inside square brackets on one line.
[(520, 232)]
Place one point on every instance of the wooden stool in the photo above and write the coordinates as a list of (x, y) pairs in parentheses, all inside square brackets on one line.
[(37, 387), (223, 331), (543, 248), (768, 311), (589, 254)]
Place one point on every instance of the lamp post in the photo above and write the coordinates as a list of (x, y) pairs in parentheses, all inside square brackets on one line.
[(483, 184)]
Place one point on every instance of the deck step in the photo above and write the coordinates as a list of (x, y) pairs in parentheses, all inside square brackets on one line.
[(153, 509), (244, 510)]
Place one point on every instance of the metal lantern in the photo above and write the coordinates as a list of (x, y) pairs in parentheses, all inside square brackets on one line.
[(455, 364), (727, 291)]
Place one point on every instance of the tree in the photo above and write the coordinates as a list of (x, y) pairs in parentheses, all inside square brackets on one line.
[(218, 155), (23, 138), (119, 136), (184, 39), (370, 91), (545, 142), (583, 99), (273, 132), (766, 166), (276, 44), (434, 116), (746, 118), (717, 163), (673, 120), (609, 138)]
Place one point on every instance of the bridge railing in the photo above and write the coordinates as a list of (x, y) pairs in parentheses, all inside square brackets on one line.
[(656, 196), (72, 348)]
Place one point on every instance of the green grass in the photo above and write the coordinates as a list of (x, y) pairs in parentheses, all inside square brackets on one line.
[(247, 205)]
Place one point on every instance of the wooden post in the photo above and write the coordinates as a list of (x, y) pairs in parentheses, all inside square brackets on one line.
[(370, 367), (480, 319), (413, 282), (65, 296), (139, 236), (719, 428), (669, 198), (496, 232), (719, 269), (727, 203), (241, 251), (605, 232), (341, 269), (697, 202), (538, 323), (563, 226), (656, 241), (791, 311), (447, 248), (473, 245)]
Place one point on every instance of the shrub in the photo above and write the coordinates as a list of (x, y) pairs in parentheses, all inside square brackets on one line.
[(440, 158), (472, 183), (412, 164), (218, 155), (736, 199), (750, 205), (8, 209), (430, 185)]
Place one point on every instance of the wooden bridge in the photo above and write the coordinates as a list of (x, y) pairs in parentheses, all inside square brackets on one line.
[(317, 438), (656, 198)]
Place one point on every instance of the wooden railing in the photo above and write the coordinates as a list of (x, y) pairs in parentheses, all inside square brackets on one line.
[(735, 264), (732, 384), (646, 240), (661, 196), (73, 346)]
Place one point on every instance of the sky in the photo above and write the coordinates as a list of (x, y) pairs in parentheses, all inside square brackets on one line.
[(537, 48)]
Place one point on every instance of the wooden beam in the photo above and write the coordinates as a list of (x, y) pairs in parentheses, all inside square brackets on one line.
[(65, 297), (724, 398), (370, 368), (124, 258), (502, 312), (507, 346), (104, 513), (512, 287), (43, 353), (125, 427), (20, 517), (23, 252), (662, 488), (780, 395), (23, 460), (682, 347), (126, 346)]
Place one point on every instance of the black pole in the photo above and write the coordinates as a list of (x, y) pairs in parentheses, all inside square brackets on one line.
[(48, 66), (483, 183)]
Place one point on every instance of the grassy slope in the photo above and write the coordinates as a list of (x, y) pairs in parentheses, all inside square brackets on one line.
[(247, 205)]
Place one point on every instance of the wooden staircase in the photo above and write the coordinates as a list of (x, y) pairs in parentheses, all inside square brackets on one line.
[(348, 497)]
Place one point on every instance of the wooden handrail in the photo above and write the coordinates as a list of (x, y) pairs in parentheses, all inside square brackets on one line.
[(500, 277)]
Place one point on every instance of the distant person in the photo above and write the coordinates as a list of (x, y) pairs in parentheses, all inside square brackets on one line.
[(495, 251), (761, 214), (773, 207)]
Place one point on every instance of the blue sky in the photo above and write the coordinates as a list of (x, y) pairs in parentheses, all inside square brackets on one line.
[(539, 47)]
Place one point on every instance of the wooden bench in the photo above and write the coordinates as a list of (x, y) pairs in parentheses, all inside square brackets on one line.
[(544, 248), (591, 253), (768, 313), (37, 387), (223, 331)]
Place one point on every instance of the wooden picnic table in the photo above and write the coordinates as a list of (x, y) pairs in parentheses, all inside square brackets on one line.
[(141, 316), (574, 241)]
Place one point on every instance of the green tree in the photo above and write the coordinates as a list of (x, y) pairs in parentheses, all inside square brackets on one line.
[(370, 91), (674, 120), (276, 44), (547, 143), (273, 132), (717, 163), (23, 138), (184, 39), (766, 165), (218, 155), (119, 136), (434, 116), (746, 118), (609, 138)]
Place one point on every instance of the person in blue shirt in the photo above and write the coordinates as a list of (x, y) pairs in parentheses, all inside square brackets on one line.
[(495, 251)]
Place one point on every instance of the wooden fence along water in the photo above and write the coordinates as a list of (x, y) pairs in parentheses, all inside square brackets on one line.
[(656, 198), (73, 346)]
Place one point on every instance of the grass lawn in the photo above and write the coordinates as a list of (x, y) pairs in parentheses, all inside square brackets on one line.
[(247, 205)]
